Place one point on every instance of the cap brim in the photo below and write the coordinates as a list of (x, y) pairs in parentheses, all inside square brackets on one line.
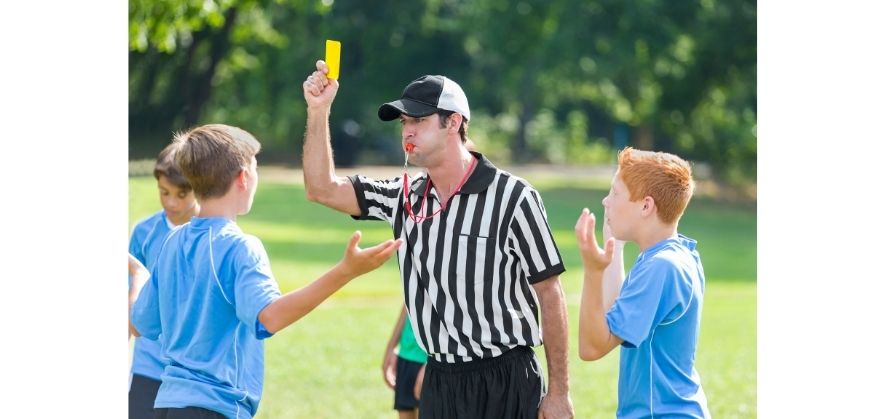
[(392, 110)]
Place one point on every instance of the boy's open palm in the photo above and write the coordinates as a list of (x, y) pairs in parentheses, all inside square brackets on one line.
[(593, 256), (359, 261)]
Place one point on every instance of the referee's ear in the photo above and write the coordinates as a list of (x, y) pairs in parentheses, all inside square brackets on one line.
[(454, 122)]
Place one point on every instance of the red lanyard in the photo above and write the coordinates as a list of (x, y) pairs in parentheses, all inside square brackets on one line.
[(429, 183)]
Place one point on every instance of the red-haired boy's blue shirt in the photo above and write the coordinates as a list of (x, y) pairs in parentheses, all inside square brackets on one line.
[(658, 315)]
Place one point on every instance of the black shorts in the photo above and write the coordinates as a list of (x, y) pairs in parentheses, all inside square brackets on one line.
[(507, 386), (187, 413), (142, 393), (404, 391)]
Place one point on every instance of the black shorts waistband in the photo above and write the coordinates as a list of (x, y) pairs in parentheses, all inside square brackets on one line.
[(481, 363)]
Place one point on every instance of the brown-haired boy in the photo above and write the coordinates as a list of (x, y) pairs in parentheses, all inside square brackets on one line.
[(212, 298), (148, 235)]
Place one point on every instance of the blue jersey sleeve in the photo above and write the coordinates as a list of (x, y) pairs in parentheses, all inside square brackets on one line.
[(652, 294), (255, 286), (146, 310), (136, 243)]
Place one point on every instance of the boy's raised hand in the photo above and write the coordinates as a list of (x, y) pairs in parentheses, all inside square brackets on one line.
[(593, 256), (319, 90), (359, 261)]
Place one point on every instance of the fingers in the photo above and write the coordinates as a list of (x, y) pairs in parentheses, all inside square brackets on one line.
[(383, 251), (322, 67), (591, 230), (354, 241), (317, 81), (388, 251), (609, 248), (585, 230), (379, 253), (390, 376), (581, 226)]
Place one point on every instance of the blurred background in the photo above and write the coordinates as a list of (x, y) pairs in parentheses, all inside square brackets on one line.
[(549, 81)]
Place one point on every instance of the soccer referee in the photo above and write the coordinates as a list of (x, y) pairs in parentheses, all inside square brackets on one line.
[(478, 261)]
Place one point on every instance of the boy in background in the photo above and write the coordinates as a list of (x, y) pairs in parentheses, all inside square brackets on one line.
[(656, 317), (212, 298), (179, 205), (404, 371)]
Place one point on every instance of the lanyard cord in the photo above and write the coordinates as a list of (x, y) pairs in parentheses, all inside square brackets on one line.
[(420, 218)]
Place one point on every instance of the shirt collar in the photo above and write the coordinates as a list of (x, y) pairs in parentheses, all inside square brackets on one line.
[(686, 241), (479, 180), (201, 223)]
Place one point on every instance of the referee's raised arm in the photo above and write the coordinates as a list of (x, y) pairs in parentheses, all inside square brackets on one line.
[(321, 184)]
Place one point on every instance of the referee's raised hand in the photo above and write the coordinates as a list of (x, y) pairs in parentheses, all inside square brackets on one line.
[(319, 90)]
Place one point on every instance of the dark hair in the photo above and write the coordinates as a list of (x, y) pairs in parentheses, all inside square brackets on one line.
[(166, 166), (444, 116)]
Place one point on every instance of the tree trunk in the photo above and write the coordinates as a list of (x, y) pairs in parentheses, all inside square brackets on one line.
[(528, 98), (520, 143), (201, 82), (643, 137)]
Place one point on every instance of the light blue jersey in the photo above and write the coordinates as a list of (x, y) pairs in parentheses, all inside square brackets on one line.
[(658, 315), (147, 239), (209, 284)]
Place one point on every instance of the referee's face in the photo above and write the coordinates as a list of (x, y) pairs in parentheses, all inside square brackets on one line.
[(426, 137)]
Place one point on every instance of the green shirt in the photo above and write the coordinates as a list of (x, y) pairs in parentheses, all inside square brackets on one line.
[(408, 346)]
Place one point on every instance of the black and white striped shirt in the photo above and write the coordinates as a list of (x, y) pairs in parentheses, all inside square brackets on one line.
[(467, 272)]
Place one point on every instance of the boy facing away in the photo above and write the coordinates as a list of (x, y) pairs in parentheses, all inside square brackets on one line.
[(657, 315), (179, 205), (212, 298)]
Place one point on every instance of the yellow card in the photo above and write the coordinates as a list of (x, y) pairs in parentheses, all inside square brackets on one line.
[(333, 58)]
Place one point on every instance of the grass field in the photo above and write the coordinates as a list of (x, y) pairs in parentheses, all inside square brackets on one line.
[(328, 365)]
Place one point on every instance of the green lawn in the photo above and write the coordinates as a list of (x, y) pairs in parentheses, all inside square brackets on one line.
[(328, 365)]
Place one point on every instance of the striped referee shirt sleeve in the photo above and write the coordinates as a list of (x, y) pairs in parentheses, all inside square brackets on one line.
[(377, 199), (533, 240)]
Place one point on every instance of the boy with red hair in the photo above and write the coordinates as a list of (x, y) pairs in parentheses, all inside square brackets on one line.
[(657, 315)]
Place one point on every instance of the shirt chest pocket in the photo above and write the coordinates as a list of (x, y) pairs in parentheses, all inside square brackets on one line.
[(475, 254)]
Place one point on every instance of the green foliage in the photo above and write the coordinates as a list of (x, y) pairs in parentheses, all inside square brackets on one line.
[(327, 365), (554, 78)]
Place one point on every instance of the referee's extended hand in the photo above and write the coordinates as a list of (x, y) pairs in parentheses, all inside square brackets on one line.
[(358, 261)]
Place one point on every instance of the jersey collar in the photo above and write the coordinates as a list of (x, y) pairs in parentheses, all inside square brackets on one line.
[(478, 181)]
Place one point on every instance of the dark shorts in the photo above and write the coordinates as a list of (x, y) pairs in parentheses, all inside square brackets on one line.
[(507, 386), (404, 391), (142, 393), (187, 413)]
